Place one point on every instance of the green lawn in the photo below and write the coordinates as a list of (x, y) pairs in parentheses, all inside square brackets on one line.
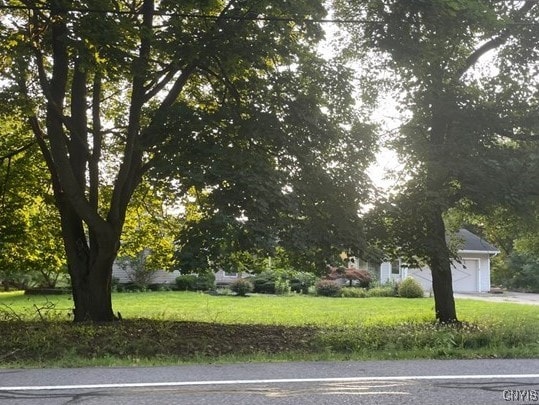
[(295, 310), (167, 327)]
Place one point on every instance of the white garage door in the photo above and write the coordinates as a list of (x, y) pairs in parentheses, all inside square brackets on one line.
[(465, 276)]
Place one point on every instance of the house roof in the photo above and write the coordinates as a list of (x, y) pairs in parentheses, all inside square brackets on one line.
[(469, 242)]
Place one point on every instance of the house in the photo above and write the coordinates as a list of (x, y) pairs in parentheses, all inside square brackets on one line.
[(224, 278), (471, 273), (125, 274)]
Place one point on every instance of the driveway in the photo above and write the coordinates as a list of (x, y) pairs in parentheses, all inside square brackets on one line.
[(506, 296)]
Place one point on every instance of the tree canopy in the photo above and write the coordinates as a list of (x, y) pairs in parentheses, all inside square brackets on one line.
[(210, 96), (228, 108), (464, 72)]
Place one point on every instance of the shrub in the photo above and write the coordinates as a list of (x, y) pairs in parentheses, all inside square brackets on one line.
[(159, 287), (410, 288), (328, 288), (131, 287), (382, 291), (191, 282), (264, 283), (186, 282), (282, 281), (241, 287), (226, 291), (282, 287), (115, 283), (300, 282), (205, 281), (136, 268), (362, 277), (353, 292)]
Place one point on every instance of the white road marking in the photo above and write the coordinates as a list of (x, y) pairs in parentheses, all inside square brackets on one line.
[(269, 381)]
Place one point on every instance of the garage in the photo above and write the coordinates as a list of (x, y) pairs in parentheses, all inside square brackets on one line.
[(466, 276), (471, 272)]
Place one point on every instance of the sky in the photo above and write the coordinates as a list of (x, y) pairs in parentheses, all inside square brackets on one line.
[(382, 172)]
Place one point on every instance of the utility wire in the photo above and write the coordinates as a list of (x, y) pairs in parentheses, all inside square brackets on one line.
[(247, 17)]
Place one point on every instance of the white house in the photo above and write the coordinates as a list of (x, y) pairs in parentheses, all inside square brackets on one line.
[(471, 273), (127, 275)]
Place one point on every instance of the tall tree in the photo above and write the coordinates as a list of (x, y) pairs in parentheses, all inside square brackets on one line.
[(116, 90), (469, 117)]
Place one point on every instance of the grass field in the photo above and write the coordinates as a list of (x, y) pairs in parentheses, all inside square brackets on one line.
[(182, 326)]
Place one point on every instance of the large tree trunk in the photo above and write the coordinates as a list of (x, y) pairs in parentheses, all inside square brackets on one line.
[(91, 284), (439, 255), (442, 280), (92, 294), (90, 268)]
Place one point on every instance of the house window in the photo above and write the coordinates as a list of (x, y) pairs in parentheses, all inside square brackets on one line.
[(395, 267)]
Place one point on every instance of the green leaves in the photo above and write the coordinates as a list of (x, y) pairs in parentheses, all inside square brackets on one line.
[(467, 116), (276, 149)]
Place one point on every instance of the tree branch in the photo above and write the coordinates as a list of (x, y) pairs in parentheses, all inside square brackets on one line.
[(15, 152), (93, 163), (494, 42), (40, 139), (127, 179), (160, 85), (78, 142), (180, 82), (45, 86), (69, 188)]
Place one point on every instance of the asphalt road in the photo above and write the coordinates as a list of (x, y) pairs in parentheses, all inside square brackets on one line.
[(388, 382)]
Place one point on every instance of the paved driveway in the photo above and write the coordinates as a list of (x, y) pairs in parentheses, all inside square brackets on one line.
[(506, 296)]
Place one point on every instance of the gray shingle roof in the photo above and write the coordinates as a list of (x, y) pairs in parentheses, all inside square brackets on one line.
[(468, 241)]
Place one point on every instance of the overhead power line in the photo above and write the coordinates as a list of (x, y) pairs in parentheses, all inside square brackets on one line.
[(247, 17)]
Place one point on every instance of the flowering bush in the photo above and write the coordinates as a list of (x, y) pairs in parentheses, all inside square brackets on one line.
[(362, 277)]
